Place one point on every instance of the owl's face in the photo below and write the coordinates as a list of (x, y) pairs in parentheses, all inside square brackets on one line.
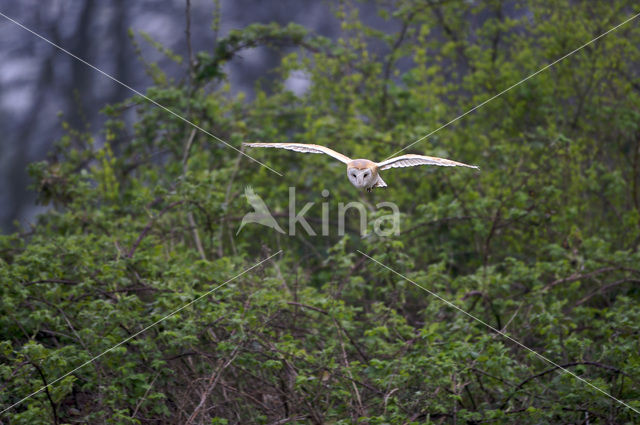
[(361, 178)]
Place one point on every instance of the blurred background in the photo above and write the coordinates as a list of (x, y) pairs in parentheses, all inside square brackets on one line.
[(41, 86), (543, 243)]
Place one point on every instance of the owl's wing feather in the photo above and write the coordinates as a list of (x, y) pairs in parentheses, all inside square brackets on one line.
[(302, 147), (411, 160)]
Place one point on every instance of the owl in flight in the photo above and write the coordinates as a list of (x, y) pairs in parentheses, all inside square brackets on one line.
[(362, 173)]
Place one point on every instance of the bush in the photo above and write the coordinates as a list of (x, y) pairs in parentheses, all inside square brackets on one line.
[(542, 244)]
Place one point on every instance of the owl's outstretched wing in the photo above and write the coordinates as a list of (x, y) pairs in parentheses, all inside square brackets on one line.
[(302, 147), (411, 160)]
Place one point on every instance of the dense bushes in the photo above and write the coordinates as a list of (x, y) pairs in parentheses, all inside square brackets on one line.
[(541, 244)]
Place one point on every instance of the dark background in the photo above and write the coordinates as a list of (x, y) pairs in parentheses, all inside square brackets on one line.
[(41, 86)]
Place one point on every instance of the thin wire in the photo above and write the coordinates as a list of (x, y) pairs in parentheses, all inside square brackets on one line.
[(501, 333), (139, 332), (136, 92), (515, 85)]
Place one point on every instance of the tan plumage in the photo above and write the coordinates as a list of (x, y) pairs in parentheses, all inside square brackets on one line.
[(363, 173)]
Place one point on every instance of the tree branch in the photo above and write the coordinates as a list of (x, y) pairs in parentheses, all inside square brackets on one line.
[(148, 227), (564, 366), (46, 390)]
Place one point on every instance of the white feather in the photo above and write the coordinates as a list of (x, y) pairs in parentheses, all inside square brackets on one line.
[(302, 147), (412, 160)]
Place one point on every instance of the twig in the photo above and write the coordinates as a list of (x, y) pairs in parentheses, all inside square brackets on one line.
[(62, 281), (148, 227), (576, 276), (310, 307), (286, 420), (187, 150), (386, 398), (604, 288), (319, 310), (348, 370), (392, 60), (504, 328), (227, 200), (144, 396), (213, 381), (216, 20), (46, 390), (188, 36), (190, 219), (564, 366)]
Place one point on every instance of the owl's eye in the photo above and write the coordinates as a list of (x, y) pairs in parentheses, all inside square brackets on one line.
[(366, 174), (353, 175)]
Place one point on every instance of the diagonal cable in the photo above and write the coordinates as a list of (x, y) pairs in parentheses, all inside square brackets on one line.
[(136, 92), (139, 332), (450, 304), (516, 84)]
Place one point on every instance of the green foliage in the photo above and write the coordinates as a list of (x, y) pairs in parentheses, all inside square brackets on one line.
[(209, 66), (541, 244)]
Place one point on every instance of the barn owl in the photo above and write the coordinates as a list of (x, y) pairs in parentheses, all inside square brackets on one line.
[(363, 173)]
